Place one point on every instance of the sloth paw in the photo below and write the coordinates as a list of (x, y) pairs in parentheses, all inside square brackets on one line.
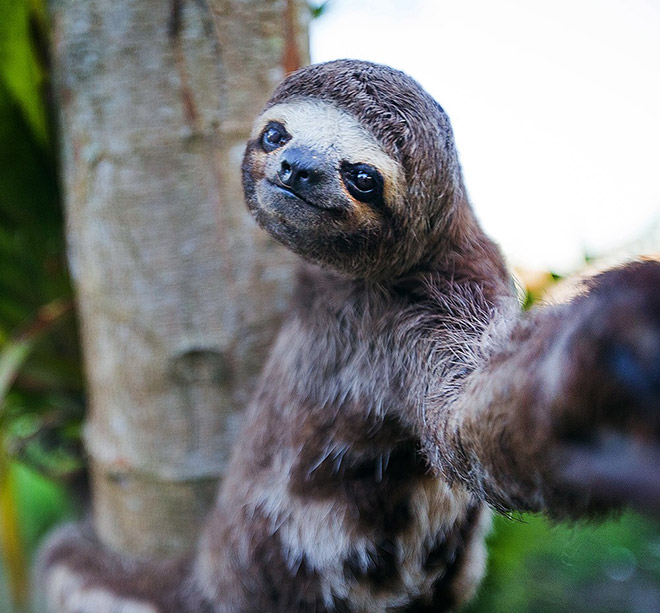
[(610, 428)]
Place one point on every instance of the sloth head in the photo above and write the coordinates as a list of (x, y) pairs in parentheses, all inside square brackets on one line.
[(352, 165)]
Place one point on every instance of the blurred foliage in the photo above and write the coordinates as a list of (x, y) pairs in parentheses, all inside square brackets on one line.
[(43, 406), (539, 567), (40, 376), (12, 543), (22, 69), (534, 285), (41, 503), (317, 9)]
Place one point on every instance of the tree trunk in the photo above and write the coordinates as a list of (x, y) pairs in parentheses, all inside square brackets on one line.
[(179, 293)]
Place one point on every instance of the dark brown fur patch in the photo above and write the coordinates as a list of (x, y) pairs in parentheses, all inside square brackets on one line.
[(371, 465), (382, 570), (275, 583), (447, 553)]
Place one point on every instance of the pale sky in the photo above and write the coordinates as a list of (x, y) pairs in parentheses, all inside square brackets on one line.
[(555, 107)]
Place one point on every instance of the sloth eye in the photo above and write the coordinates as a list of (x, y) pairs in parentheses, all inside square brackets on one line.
[(274, 136), (362, 181)]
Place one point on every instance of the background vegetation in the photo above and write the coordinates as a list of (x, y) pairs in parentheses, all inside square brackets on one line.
[(40, 383), (533, 565)]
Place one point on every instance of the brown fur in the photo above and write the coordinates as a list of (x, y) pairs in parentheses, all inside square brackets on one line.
[(404, 392)]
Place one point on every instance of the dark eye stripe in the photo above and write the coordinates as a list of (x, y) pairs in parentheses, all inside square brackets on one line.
[(274, 136), (362, 181)]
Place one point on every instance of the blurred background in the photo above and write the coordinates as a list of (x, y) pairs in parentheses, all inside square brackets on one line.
[(555, 109)]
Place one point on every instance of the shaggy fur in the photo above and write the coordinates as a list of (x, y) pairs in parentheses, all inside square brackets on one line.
[(405, 392)]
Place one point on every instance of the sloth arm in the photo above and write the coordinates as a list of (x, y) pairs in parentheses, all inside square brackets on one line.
[(562, 415)]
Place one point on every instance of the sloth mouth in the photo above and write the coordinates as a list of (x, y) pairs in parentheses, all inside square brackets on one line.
[(292, 194)]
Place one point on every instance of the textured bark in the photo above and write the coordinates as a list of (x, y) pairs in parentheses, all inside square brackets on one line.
[(179, 293)]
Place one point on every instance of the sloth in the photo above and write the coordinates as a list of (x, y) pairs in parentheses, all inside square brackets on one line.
[(406, 395)]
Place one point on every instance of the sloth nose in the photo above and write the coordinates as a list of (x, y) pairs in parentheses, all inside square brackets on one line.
[(300, 168)]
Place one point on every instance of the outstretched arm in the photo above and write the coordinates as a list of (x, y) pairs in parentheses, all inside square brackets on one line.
[(563, 415)]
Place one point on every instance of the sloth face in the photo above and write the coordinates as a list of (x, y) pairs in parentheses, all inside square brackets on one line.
[(321, 184)]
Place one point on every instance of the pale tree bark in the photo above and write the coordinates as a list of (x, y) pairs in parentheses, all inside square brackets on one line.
[(179, 293)]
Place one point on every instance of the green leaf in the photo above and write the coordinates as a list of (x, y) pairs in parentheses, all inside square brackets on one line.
[(12, 357), (15, 351), (318, 9), (12, 548), (20, 68)]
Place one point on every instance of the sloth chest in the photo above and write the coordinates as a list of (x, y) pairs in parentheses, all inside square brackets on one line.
[(367, 525), (383, 554)]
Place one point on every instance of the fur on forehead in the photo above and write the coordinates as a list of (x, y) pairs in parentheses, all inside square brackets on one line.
[(325, 128), (408, 123)]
